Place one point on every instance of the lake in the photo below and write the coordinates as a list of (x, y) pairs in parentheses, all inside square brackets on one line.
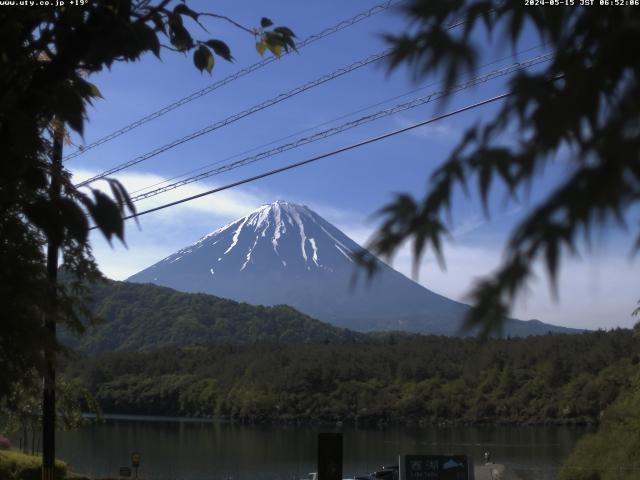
[(185, 449)]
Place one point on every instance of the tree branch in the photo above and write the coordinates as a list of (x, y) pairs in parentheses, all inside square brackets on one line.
[(231, 21)]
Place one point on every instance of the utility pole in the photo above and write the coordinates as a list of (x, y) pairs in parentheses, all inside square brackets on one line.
[(53, 248)]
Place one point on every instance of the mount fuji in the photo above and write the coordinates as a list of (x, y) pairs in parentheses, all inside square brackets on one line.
[(285, 253)]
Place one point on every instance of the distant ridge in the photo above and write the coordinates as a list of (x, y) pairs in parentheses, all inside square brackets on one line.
[(285, 253), (149, 317)]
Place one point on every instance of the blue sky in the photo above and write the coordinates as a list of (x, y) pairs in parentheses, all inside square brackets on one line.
[(600, 290)]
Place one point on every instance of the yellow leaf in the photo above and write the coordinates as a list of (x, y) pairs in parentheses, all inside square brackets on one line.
[(95, 92), (275, 49), (42, 57), (209, 65), (261, 47)]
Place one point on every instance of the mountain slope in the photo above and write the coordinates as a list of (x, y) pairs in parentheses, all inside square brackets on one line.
[(284, 253), (147, 317)]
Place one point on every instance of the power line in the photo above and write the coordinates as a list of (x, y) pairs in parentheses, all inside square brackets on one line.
[(328, 122), (241, 73), (349, 125), (319, 157), (245, 113), (255, 108)]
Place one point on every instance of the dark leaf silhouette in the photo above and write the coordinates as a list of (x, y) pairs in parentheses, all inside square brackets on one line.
[(220, 48), (203, 58), (583, 102), (47, 56)]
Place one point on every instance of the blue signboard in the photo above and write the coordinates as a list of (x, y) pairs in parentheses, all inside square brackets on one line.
[(436, 467)]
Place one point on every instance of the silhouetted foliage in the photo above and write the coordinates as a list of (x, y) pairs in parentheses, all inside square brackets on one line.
[(46, 55), (581, 109), (21, 409)]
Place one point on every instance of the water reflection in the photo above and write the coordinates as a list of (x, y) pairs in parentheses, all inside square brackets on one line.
[(192, 450)]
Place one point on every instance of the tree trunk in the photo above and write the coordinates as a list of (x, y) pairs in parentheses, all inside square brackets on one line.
[(49, 394)]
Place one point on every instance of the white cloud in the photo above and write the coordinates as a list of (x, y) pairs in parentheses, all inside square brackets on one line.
[(468, 225), (163, 232), (229, 203), (434, 131), (599, 291)]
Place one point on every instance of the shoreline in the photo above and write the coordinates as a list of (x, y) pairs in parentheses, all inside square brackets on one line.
[(367, 423)]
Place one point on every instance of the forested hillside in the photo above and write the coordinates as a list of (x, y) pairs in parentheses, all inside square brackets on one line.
[(612, 452), (137, 317), (552, 378)]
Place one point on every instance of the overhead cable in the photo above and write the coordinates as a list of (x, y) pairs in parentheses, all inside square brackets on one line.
[(349, 125), (241, 73), (245, 113), (318, 157), (314, 127)]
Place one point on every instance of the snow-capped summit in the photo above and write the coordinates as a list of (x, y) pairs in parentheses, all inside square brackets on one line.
[(285, 253), (282, 235)]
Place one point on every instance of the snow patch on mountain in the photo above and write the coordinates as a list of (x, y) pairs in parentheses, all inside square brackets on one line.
[(248, 257), (284, 253), (340, 249), (271, 222), (312, 241), (236, 236)]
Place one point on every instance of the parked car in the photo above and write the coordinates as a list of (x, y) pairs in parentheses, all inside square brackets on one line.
[(388, 472)]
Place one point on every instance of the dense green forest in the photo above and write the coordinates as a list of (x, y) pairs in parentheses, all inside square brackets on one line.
[(551, 378), (135, 317), (612, 452)]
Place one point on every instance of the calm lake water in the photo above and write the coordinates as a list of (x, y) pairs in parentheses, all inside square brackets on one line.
[(195, 450)]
